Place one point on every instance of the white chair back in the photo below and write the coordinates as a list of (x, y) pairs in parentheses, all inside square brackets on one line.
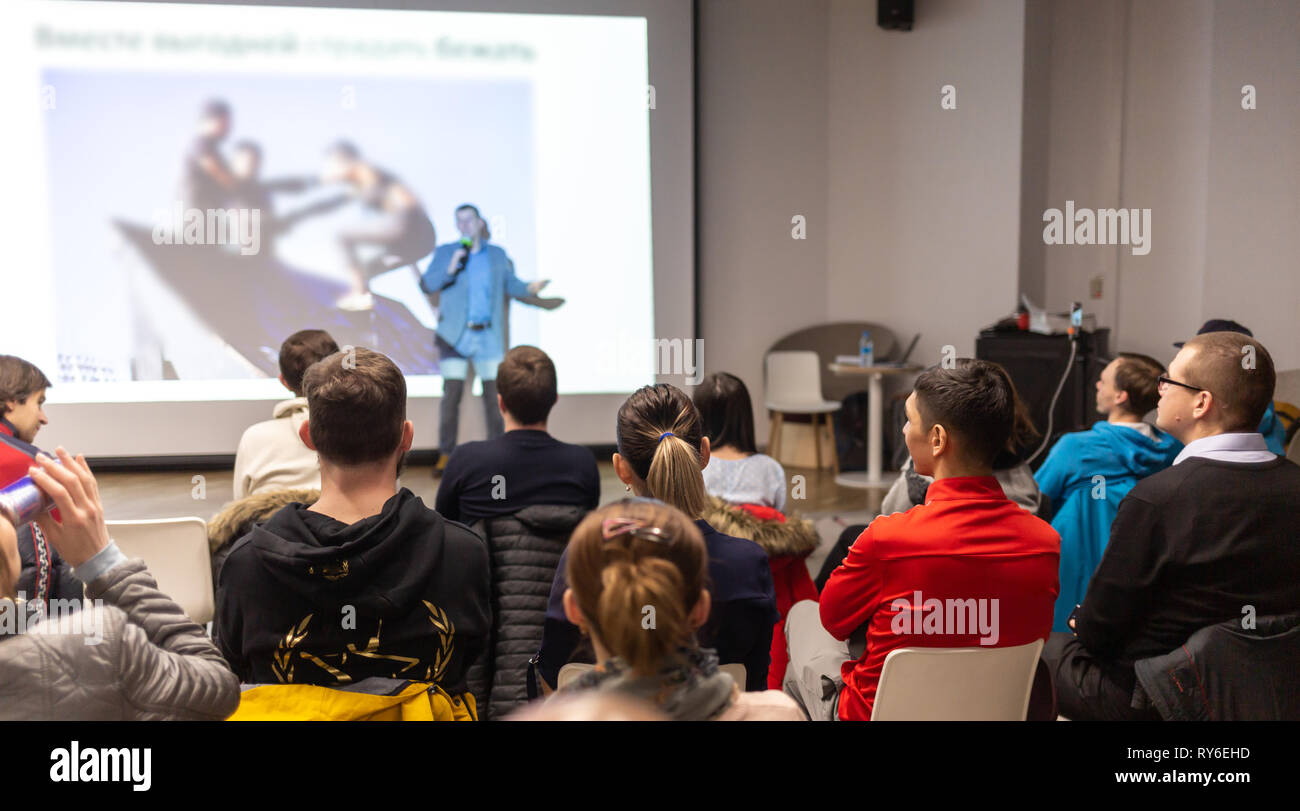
[(176, 552), (956, 684), (794, 382)]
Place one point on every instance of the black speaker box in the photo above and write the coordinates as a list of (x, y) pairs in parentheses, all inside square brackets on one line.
[(894, 15), (1036, 364)]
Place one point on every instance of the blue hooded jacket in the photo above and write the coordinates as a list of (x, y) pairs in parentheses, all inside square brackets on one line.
[(1274, 431), (1086, 475)]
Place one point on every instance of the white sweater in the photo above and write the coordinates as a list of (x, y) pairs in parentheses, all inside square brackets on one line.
[(271, 455)]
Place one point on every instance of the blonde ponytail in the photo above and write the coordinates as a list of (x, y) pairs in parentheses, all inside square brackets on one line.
[(675, 477)]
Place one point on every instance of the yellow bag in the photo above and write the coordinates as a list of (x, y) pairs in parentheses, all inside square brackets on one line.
[(368, 700)]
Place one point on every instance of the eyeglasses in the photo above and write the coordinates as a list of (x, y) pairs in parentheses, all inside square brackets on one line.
[(1163, 381)]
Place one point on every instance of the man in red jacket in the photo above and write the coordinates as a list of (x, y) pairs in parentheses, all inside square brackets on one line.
[(44, 575), (968, 568)]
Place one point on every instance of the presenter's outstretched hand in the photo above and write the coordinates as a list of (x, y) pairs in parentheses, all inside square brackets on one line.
[(535, 287), (80, 532)]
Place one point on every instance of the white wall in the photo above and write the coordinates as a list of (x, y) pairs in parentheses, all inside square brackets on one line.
[(924, 202), (762, 160), (1145, 101), (1252, 256)]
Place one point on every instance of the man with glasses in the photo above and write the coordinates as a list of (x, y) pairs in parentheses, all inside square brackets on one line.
[(1192, 545), (1272, 428)]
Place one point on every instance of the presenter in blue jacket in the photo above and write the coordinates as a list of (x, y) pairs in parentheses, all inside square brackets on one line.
[(473, 280)]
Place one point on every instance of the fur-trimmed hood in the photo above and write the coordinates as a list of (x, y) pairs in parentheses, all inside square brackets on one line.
[(237, 518), (796, 537)]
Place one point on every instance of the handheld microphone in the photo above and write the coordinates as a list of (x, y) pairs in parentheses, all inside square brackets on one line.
[(466, 243)]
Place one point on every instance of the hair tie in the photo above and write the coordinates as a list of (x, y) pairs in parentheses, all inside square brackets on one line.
[(664, 434)]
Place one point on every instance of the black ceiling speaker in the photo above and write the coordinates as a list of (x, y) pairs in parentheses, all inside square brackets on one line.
[(894, 15)]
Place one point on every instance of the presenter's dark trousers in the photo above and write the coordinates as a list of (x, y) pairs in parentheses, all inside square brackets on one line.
[(449, 410), (1088, 688)]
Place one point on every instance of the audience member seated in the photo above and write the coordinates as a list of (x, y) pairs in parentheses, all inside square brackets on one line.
[(909, 489), (525, 465), (44, 576), (1210, 539), (737, 472), (368, 581), (1270, 426), (133, 656), (748, 499), (524, 491), (637, 573), (271, 455), (661, 451), (968, 568), (1088, 473)]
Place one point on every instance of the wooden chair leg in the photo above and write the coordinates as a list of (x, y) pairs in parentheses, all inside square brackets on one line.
[(835, 454), (774, 446), (817, 439)]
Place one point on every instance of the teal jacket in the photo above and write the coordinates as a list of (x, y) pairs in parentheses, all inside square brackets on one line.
[(1086, 475)]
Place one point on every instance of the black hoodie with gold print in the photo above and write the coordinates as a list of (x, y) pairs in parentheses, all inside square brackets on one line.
[(306, 599)]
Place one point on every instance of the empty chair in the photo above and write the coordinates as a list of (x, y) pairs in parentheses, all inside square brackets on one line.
[(794, 387), (176, 552), (957, 684)]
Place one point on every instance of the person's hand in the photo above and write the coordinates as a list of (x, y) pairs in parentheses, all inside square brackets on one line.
[(80, 532), (535, 287), (548, 303), (460, 254)]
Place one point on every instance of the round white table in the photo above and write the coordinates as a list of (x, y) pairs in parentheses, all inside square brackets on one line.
[(875, 374)]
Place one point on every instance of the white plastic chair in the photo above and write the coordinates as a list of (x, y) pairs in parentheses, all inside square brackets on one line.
[(956, 684), (794, 386), (176, 552), (573, 670)]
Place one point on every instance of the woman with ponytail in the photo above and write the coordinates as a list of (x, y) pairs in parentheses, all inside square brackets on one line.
[(638, 574), (661, 453)]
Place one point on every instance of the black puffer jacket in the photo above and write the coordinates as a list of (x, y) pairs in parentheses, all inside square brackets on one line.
[(525, 549)]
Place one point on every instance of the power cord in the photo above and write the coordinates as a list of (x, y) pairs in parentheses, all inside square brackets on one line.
[(1051, 409)]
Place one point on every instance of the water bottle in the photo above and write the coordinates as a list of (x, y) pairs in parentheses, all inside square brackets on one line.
[(866, 350)]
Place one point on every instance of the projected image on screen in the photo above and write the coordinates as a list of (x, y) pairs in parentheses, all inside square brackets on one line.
[(202, 181), (231, 196)]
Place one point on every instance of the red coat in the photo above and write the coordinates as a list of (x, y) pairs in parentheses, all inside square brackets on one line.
[(967, 543), (788, 544), (16, 456)]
